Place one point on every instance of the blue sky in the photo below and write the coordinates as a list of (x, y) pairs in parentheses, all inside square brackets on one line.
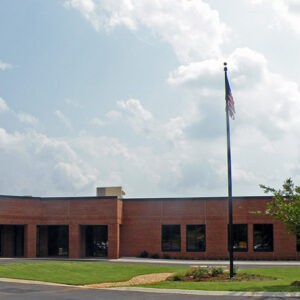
[(131, 92)]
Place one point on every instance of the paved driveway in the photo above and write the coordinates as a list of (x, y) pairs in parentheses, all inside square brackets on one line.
[(17, 291)]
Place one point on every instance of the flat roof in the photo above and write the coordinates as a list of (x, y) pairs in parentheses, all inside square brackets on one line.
[(135, 199)]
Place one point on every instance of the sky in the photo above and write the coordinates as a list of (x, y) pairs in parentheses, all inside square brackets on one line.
[(131, 93)]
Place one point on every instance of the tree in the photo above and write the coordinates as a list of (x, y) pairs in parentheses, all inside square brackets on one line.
[(285, 205)]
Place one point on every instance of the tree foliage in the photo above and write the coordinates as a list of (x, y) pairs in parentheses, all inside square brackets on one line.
[(285, 205)]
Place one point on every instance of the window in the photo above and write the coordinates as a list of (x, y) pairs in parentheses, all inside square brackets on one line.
[(298, 242), (170, 238), (263, 237), (195, 238), (240, 237)]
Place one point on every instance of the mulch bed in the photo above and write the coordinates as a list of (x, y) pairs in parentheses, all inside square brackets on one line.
[(224, 278)]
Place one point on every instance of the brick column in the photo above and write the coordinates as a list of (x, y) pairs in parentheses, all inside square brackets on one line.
[(30, 240), (114, 240), (74, 241)]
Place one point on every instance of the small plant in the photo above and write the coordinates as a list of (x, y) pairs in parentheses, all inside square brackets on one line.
[(235, 270), (216, 271), (177, 277), (198, 272), (144, 254), (167, 256), (155, 255)]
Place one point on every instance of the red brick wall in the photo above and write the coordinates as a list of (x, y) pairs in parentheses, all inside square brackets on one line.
[(62, 211), (142, 221), (135, 225)]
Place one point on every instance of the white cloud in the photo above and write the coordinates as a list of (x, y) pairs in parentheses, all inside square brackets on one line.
[(192, 28), (63, 118), (287, 11), (87, 9), (3, 105), (113, 115), (27, 118), (140, 119), (4, 65), (134, 107), (53, 164), (98, 122)]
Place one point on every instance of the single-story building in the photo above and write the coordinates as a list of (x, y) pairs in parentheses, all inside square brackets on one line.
[(109, 225)]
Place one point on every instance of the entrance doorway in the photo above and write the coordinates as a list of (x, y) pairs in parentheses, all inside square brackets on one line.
[(95, 237), (12, 240), (52, 240)]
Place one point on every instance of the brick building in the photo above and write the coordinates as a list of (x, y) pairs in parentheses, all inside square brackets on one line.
[(112, 226)]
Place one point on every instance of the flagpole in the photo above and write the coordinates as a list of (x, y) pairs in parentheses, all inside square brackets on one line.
[(230, 237)]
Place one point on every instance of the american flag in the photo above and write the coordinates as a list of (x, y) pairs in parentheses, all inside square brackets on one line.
[(229, 99)]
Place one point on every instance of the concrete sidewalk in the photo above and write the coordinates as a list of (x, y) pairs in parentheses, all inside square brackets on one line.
[(206, 262), (209, 293)]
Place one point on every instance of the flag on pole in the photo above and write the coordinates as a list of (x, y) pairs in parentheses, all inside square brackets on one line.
[(229, 99)]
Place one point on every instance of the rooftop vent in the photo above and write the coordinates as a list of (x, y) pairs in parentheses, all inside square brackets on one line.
[(110, 191)]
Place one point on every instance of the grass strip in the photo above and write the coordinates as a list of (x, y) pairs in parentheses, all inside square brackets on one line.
[(280, 282), (79, 273)]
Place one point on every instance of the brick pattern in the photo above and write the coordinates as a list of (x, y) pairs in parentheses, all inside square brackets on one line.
[(134, 225)]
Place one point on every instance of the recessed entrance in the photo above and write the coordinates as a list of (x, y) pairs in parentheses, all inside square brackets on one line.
[(12, 240), (95, 240), (52, 240)]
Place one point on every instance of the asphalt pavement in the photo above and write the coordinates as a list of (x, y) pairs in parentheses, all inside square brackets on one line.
[(18, 291)]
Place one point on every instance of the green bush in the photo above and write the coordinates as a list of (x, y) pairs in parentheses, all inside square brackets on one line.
[(155, 255), (144, 254), (166, 256), (177, 277), (199, 272), (216, 271)]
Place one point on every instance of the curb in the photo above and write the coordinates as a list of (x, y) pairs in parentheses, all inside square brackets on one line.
[(207, 293), (34, 282), (294, 263)]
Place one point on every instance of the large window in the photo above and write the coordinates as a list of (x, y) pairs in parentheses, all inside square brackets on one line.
[(170, 239), (298, 242), (95, 240), (263, 237), (52, 240), (195, 238), (240, 237)]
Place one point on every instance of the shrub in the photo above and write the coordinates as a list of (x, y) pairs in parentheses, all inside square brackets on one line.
[(216, 271), (199, 272), (155, 255), (144, 254), (167, 256), (177, 276), (235, 270)]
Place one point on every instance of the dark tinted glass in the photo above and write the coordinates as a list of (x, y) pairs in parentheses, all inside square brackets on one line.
[(240, 237), (96, 240), (263, 237), (170, 238), (195, 238)]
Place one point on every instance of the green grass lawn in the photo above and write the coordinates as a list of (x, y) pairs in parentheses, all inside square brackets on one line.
[(78, 273), (284, 277)]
